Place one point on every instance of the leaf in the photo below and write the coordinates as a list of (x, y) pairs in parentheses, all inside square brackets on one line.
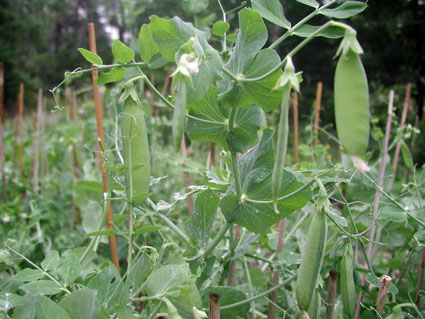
[(148, 48), (105, 232), (139, 272), (392, 213), (331, 32), (39, 307), (203, 217), (228, 296), (51, 261), (194, 6), (91, 57), (115, 75), (41, 287), (272, 11), (345, 10), (69, 268), (146, 229), (29, 275), (255, 172), (336, 216), (248, 121), (91, 215), (220, 28), (81, 304), (407, 156), (310, 3), (121, 52), (260, 92), (420, 238)]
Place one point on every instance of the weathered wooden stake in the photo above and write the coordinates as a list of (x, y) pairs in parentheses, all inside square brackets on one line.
[(332, 287), (318, 103), (214, 306), (3, 146), (99, 122), (37, 132), (20, 130), (382, 293)]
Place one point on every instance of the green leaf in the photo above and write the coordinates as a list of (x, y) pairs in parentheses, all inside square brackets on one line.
[(41, 287), (203, 217), (272, 11), (121, 52), (245, 94), (345, 10), (39, 307), (105, 232), (407, 156), (331, 32), (148, 48), (115, 75), (29, 275), (255, 172), (81, 304), (310, 3), (91, 215), (392, 213), (139, 272), (228, 296), (420, 238), (91, 57), (51, 261), (69, 269), (247, 122), (220, 28), (146, 229), (194, 6)]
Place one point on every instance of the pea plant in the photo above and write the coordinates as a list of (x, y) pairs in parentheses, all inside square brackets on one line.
[(223, 85)]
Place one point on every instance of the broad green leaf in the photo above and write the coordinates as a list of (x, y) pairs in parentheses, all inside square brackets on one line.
[(51, 261), (91, 57), (115, 75), (177, 282), (81, 304), (41, 287), (420, 238), (39, 307), (245, 94), (247, 121), (146, 229), (157, 61), (69, 269), (148, 48), (228, 296), (392, 213), (194, 6), (272, 11), (255, 172), (345, 10), (220, 28), (407, 157), (29, 275), (310, 3), (203, 217), (121, 52), (139, 272), (92, 214), (337, 218), (331, 32), (257, 277)]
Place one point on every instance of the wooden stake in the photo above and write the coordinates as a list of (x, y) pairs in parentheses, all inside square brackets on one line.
[(421, 278), (44, 161), (317, 112), (382, 293), (99, 122), (402, 125), (20, 130), (3, 146), (295, 119), (186, 177), (211, 161), (214, 306), (378, 193), (232, 267), (332, 287), (37, 141)]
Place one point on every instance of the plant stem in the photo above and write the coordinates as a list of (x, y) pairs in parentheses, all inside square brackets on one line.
[(224, 20), (248, 276), (130, 206)]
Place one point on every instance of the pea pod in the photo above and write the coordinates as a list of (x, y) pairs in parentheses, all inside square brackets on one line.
[(179, 115), (351, 103), (348, 291), (311, 260), (136, 151)]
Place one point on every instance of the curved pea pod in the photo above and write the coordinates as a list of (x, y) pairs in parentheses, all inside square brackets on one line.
[(136, 151), (348, 290), (311, 260), (351, 95)]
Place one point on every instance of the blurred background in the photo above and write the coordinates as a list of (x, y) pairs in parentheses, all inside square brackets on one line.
[(39, 41)]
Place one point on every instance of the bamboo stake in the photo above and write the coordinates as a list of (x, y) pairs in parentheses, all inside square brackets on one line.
[(214, 306), (382, 294), (412, 147), (20, 130), (99, 122), (2, 141), (211, 161), (276, 274), (295, 120), (317, 112), (186, 177), (378, 193), (332, 287), (402, 125), (37, 141)]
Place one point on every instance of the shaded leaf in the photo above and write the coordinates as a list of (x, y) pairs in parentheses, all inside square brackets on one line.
[(29, 275), (41, 287), (51, 261), (81, 304), (121, 52), (310, 3), (148, 48), (220, 28), (272, 11), (91, 57), (345, 10), (115, 75)]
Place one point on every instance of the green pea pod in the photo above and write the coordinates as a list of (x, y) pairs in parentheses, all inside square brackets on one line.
[(351, 104), (348, 290), (314, 309), (179, 115), (311, 260), (136, 151)]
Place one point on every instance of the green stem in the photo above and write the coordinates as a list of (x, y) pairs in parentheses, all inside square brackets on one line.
[(248, 276), (222, 231), (235, 164), (292, 30), (224, 20)]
